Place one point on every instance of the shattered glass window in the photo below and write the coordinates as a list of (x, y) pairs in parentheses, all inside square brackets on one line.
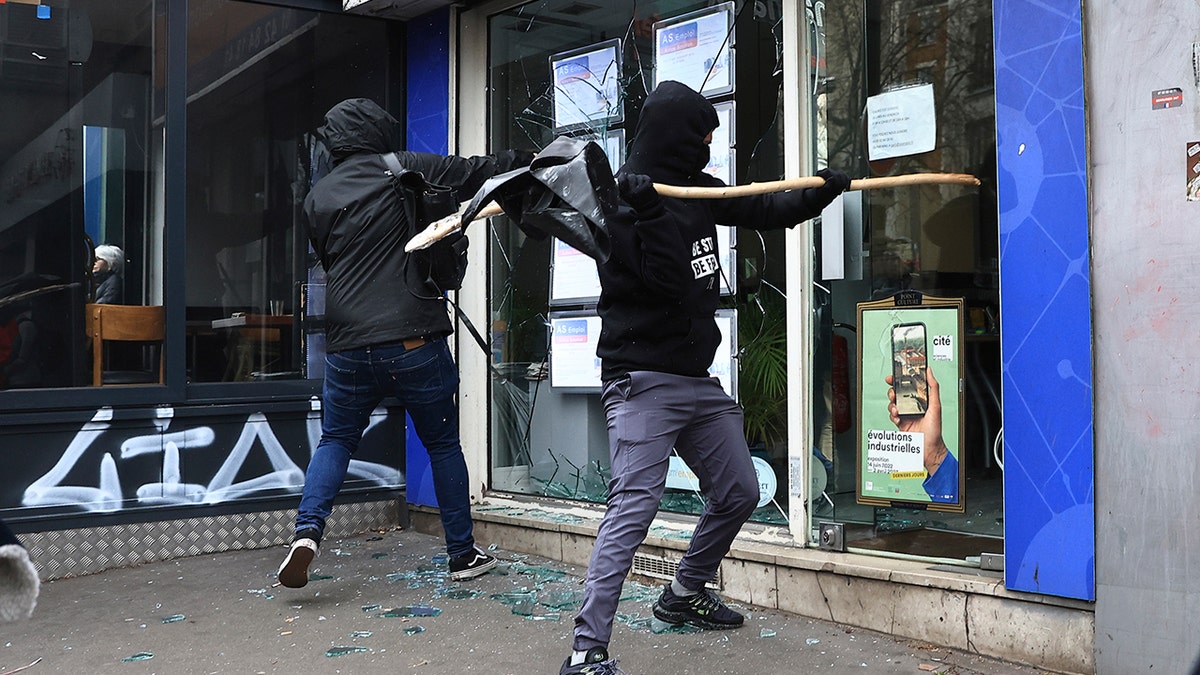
[(582, 69)]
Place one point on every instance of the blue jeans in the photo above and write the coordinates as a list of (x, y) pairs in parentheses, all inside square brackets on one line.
[(424, 380)]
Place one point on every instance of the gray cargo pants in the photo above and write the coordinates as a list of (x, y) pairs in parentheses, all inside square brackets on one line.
[(648, 413)]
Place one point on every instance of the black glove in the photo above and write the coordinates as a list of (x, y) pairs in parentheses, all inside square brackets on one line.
[(638, 191), (836, 183)]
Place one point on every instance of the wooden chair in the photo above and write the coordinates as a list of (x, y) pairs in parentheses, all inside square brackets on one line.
[(126, 323)]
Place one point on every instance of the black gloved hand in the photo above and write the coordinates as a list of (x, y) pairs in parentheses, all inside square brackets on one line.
[(638, 191), (836, 183)]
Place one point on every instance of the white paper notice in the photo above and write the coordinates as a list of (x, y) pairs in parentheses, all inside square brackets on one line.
[(573, 360), (722, 365), (574, 274), (720, 160), (695, 53), (901, 122), (833, 241)]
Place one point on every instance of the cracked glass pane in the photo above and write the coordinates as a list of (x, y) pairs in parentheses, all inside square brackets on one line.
[(583, 69), (566, 68)]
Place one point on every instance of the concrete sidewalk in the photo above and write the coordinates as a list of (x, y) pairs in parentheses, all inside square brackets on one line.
[(223, 613)]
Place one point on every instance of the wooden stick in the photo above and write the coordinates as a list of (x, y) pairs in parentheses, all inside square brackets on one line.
[(812, 181), (444, 226), (440, 228)]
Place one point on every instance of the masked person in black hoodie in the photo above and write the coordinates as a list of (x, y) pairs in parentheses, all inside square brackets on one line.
[(659, 293), (385, 323)]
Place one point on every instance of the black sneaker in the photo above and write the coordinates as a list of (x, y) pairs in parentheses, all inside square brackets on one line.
[(293, 573), (471, 565), (702, 610), (595, 663)]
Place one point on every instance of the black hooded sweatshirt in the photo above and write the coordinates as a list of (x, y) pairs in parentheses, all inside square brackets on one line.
[(358, 226), (661, 286)]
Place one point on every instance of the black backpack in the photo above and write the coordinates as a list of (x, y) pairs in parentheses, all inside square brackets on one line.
[(442, 265)]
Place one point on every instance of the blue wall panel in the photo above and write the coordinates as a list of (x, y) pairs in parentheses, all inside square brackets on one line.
[(427, 120), (1046, 332)]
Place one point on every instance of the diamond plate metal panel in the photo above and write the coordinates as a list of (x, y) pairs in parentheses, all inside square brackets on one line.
[(67, 553)]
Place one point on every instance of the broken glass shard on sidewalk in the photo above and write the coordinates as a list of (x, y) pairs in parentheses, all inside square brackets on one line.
[(634, 621), (632, 590), (457, 593), (173, 618), (658, 626), (562, 599), (524, 607), (410, 611), (140, 656), (342, 651), (514, 597)]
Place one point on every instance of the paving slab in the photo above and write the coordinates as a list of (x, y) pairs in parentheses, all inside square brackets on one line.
[(224, 613)]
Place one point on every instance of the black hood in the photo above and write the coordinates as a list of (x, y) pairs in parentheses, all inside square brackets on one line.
[(669, 143), (359, 125)]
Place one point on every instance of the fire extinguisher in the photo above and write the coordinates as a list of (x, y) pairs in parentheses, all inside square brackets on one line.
[(840, 384)]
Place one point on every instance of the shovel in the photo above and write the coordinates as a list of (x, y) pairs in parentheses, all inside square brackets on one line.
[(569, 188)]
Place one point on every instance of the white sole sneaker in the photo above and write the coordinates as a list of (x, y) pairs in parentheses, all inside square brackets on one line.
[(293, 573), (475, 568)]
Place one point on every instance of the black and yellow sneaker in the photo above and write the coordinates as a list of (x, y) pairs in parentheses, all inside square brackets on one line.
[(702, 610), (596, 662)]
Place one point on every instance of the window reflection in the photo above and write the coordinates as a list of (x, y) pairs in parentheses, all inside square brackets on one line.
[(75, 97), (260, 79)]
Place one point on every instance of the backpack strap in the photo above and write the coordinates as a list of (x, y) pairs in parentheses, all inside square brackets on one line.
[(397, 174)]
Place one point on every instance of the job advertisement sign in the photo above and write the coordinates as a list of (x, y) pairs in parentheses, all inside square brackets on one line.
[(910, 402)]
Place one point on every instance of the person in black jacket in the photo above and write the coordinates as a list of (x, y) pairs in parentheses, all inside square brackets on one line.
[(659, 292), (107, 273), (385, 324)]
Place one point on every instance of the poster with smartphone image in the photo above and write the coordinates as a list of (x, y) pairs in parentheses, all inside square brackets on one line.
[(910, 421)]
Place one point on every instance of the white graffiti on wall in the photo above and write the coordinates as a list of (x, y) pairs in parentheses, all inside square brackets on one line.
[(108, 496)]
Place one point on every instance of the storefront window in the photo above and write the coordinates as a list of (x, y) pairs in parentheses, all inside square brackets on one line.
[(932, 61), (260, 79), (564, 68), (76, 179), (549, 75)]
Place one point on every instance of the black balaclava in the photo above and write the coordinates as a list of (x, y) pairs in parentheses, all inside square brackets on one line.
[(669, 143)]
